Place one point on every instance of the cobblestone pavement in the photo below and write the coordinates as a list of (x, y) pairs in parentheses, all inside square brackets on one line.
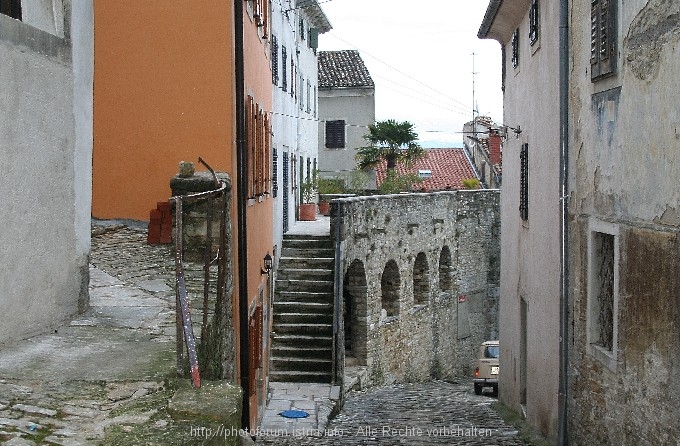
[(435, 413)]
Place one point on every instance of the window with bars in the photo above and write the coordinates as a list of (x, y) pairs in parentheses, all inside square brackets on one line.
[(302, 29), (533, 22), (275, 60), (335, 134), (259, 149), (603, 46), (284, 68), (515, 49), (524, 182), (275, 173), (11, 8)]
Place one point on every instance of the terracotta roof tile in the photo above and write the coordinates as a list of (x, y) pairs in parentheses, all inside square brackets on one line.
[(343, 69), (449, 167)]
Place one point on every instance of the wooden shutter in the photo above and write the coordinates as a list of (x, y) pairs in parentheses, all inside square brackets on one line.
[(603, 47)]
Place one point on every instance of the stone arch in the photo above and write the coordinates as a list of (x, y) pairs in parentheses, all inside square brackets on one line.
[(355, 311), (445, 270), (390, 285), (421, 280)]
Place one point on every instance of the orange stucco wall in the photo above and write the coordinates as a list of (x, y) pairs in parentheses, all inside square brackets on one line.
[(259, 215), (163, 93)]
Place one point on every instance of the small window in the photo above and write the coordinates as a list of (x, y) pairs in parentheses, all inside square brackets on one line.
[(603, 47), (603, 260), (11, 8), (335, 134), (524, 182), (302, 29), (533, 22), (284, 68), (515, 49), (275, 60)]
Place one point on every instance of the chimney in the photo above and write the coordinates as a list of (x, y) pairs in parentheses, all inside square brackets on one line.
[(494, 147)]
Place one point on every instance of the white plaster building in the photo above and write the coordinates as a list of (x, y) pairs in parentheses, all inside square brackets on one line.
[(530, 208), (296, 26), (346, 109), (46, 49)]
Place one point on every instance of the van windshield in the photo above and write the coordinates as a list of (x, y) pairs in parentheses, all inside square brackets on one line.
[(491, 351)]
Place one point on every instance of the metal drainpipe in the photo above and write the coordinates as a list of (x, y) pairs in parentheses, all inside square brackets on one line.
[(564, 190), (241, 192)]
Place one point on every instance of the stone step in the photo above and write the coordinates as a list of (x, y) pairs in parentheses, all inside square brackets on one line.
[(301, 377), (301, 364), (310, 351), (303, 329), (305, 274), (326, 297), (302, 341), (307, 242), (313, 286), (303, 307), (306, 262), (303, 318), (311, 252)]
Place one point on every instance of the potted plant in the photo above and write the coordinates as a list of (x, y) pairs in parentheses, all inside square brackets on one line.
[(328, 186), (308, 189)]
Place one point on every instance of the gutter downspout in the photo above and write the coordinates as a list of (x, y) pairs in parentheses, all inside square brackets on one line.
[(564, 201), (241, 191)]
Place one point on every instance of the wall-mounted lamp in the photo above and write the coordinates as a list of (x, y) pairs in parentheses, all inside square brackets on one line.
[(268, 264)]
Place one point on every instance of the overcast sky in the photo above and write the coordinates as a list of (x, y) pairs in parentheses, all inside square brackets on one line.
[(420, 57)]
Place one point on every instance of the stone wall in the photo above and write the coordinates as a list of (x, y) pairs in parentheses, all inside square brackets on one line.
[(421, 276)]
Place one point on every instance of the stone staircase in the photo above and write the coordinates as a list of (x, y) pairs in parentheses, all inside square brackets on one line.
[(303, 311)]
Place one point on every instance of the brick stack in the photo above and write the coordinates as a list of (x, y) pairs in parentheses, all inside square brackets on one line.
[(160, 224)]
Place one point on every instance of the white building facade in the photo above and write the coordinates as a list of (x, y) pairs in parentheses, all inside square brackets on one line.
[(296, 26)]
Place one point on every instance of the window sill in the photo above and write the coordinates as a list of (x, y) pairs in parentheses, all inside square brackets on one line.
[(608, 358), (388, 321), (418, 308)]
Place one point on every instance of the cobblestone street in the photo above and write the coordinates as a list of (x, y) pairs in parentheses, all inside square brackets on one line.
[(435, 413), (95, 380)]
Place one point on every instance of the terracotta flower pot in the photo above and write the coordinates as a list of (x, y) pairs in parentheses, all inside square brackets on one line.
[(308, 212), (325, 208)]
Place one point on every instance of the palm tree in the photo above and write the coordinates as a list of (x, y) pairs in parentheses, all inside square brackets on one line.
[(392, 141)]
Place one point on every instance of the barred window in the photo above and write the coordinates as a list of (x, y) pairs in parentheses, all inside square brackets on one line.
[(524, 182), (284, 68), (275, 173), (515, 49), (533, 22), (603, 46), (335, 134), (275, 60), (11, 8)]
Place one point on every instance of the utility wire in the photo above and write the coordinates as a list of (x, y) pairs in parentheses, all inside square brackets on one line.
[(401, 72)]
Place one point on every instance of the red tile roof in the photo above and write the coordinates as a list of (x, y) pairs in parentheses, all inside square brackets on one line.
[(449, 167)]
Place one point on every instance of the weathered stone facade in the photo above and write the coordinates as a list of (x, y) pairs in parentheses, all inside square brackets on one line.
[(420, 281)]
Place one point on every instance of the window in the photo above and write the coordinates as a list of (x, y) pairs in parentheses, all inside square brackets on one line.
[(602, 39), (533, 22), (11, 8), (302, 93), (602, 312), (275, 173), (335, 134), (284, 68), (309, 97), (524, 182), (259, 148), (302, 29), (515, 49), (275, 60)]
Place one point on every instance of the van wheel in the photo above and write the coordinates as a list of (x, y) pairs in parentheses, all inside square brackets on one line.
[(478, 389)]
